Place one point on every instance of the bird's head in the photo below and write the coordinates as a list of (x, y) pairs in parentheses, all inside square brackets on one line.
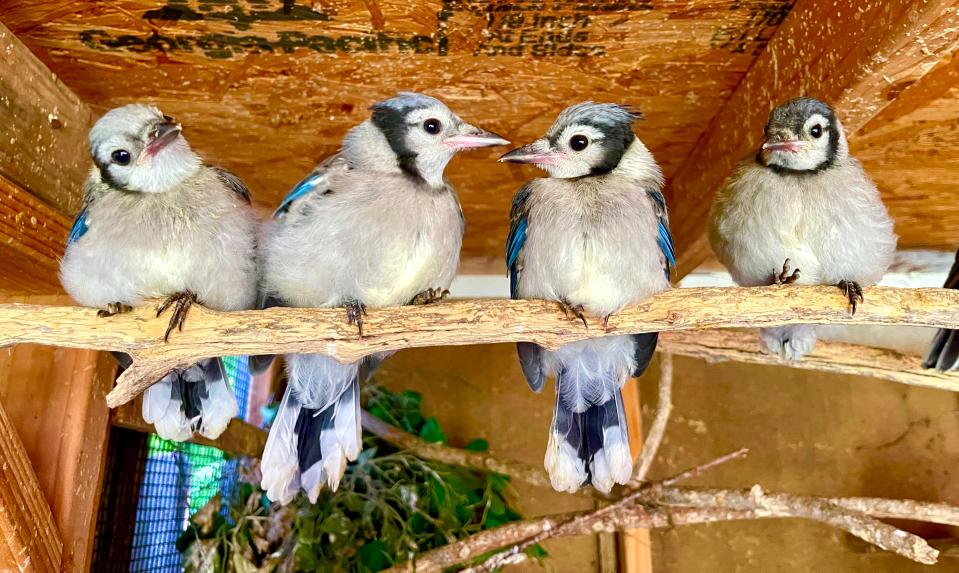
[(424, 135), (137, 148), (803, 135), (586, 139)]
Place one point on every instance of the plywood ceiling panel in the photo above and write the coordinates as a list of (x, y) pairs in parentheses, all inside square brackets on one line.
[(268, 88), (912, 152)]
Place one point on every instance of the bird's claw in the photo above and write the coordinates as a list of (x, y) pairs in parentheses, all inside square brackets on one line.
[(786, 277), (573, 311), (355, 311), (181, 303), (853, 292), (114, 308), (431, 295)]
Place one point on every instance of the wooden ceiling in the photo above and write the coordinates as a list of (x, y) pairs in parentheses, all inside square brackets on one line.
[(267, 88)]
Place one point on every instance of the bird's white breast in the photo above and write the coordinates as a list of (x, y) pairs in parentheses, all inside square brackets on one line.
[(831, 225), (591, 242), (199, 237)]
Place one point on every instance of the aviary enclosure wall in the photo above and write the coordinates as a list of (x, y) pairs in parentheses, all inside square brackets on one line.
[(267, 88)]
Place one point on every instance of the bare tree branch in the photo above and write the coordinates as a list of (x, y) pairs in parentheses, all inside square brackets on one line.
[(836, 357), (658, 429)]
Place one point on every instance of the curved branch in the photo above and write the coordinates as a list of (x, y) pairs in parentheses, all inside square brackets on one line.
[(655, 437), (835, 357), (455, 456), (288, 330)]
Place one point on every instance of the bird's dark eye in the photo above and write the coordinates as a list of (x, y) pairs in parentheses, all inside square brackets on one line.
[(432, 126), (816, 131), (121, 157), (578, 142)]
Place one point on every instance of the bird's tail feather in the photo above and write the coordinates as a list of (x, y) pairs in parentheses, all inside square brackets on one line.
[(184, 401), (309, 447), (790, 342), (279, 465), (944, 352), (162, 407), (590, 446), (607, 444), (326, 440), (566, 468)]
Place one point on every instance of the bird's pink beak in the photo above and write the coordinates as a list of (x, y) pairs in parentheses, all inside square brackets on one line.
[(791, 146), (537, 153), (164, 135), (472, 137)]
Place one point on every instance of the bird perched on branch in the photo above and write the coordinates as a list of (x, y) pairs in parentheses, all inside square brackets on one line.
[(802, 211), (594, 237), (373, 225), (943, 353), (157, 222)]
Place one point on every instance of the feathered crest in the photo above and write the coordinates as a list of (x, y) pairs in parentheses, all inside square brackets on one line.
[(601, 115)]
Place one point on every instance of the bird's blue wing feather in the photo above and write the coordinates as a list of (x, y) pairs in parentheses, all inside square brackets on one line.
[(79, 228), (518, 224), (664, 239), (318, 179), (307, 185)]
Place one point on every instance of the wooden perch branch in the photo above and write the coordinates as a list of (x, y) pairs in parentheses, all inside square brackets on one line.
[(287, 330), (835, 357)]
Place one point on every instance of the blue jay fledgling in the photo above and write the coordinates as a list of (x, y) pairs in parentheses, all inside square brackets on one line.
[(944, 351), (594, 237), (804, 205), (373, 225), (157, 222)]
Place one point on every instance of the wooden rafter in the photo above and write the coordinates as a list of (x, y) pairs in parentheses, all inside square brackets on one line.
[(44, 143), (284, 330), (32, 239), (859, 55), (30, 540)]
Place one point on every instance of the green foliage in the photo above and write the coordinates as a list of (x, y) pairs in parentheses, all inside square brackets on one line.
[(389, 506)]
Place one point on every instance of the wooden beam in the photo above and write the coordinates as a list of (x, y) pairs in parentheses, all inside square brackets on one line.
[(43, 142), (239, 438), (287, 330), (636, 552), (857, 55), (80, 478), (55, 398), (30, 540), (32, 239)]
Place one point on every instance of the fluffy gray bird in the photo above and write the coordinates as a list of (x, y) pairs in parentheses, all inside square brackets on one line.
[(944, 351), (157, 222), (374, 225), (594, 237), (805, 206)]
